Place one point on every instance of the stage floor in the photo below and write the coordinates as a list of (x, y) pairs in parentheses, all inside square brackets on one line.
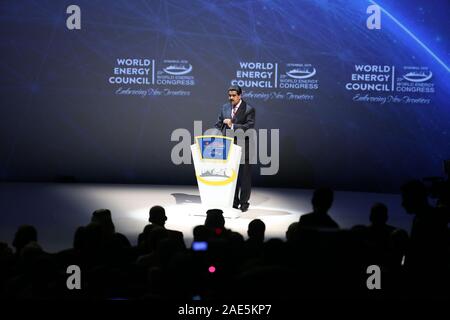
[(56, 210)]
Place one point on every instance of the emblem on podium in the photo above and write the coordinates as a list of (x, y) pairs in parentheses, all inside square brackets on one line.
[(216, 162)]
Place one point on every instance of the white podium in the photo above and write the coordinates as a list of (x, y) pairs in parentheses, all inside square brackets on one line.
[(216, 163)]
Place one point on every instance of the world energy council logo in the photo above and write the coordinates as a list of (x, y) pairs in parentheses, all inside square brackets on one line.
[(175, 73), (415, 79), (389, 84), (273, 80), (421, 76), (149, 77), (299, 76), (178, 69), (301, 73)]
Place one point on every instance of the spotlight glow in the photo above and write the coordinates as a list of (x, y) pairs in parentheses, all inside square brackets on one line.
[(412, 35)]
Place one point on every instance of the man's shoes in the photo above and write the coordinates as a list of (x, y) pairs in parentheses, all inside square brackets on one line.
[(236, 206), (244, 207)]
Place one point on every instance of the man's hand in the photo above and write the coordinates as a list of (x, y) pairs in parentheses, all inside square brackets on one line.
[(228, 122)]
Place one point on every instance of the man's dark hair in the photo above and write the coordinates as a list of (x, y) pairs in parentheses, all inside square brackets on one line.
[(415, 189), (104, 219), (256, 229), (414, 196), (235, 88), (24, 235), (214, 219), (379, 214), (157, 215), (322, 198)]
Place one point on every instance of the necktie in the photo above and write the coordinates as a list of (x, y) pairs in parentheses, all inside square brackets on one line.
[(233, 112)]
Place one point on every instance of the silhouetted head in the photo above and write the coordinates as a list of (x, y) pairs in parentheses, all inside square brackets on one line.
[(256, 229), (379, 214), (291, 231), (322, 199), (214, 219), (157, 216), (103, 218), (201, 233), (414, 196), (24, 235)]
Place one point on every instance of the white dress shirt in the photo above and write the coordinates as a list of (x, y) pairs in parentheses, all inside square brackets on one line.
[(235, 109)]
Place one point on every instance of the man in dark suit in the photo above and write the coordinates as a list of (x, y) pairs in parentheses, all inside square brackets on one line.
[(319, 219), (238, 114), (157, 218)]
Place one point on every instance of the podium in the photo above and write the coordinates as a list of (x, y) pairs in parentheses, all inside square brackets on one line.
[(216, 162)]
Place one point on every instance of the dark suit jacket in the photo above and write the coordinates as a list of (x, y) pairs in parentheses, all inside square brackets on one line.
[(176, 236), (244, 118), (318, 221)]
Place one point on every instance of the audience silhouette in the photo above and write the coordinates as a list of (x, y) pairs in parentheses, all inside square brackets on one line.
[(427, 257), (321, 201), (317, 259), (157, 218)]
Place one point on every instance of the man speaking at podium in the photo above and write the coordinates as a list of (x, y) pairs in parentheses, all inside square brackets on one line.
[(239, 115)]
